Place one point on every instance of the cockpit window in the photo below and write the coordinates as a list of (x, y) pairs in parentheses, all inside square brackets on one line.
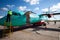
[(15, 13)]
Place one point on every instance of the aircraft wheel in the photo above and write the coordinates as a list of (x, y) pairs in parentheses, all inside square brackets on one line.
[(34, 25), (44, 24)]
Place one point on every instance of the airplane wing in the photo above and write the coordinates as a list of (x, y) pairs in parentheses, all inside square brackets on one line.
[(52, 14), (49, 15), (56, 14)]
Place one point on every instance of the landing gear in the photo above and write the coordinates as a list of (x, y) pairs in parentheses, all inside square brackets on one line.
[(44, 24)]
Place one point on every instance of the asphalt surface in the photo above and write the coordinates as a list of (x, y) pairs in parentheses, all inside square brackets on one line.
[(52, 32)]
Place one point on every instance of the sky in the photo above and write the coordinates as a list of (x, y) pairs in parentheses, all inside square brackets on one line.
[(37, 6)]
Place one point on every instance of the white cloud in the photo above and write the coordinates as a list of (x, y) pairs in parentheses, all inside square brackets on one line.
[(7, 7), (45, 10), (22, 8), (55, 7), (1, 16), (37, 8), (32, 2), (10, 6), (52, 8), (26, 0), (4, 9), (28, 9)]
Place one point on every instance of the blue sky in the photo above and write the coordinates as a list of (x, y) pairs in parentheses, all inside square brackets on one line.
[(37, 6)]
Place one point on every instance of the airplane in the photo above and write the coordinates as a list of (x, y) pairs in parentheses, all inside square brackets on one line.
[(27, 18)]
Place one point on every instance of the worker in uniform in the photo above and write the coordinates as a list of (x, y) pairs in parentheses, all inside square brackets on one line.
[(8, 19), (9, 16), (54, 22)]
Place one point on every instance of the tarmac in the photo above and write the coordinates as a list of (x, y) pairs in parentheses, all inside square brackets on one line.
[(52, 32)]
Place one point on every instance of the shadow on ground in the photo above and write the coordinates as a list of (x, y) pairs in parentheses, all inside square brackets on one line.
[(35, 28)]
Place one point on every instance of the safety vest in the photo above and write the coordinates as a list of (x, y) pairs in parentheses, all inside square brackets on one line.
[(10, 12)]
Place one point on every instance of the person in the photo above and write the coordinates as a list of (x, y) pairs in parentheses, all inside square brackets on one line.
[(47, 22), (9, 16), (8, 19), (54, 22)]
